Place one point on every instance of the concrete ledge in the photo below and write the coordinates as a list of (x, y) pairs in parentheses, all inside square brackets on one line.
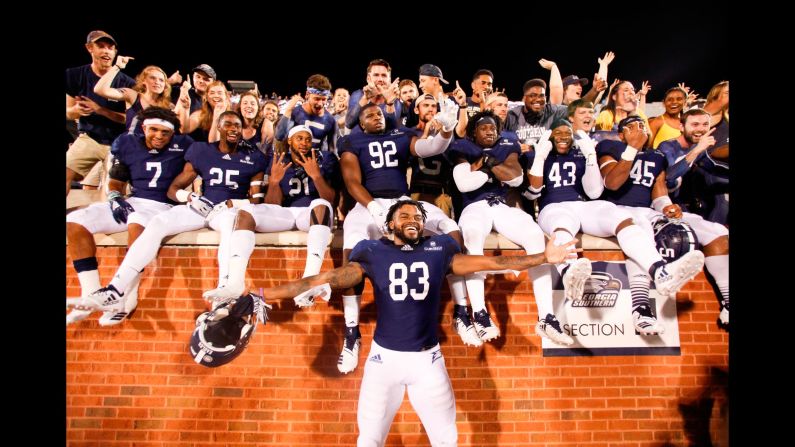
[(298, 239)]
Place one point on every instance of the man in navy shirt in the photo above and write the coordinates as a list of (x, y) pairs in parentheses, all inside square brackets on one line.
[(101, 120), (634, 179), (232, 170), (300, 192), (374, 162), (311, 113), (407, 271), (148, 162)]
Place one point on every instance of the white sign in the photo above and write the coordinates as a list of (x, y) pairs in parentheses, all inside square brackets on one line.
[(601, 322)]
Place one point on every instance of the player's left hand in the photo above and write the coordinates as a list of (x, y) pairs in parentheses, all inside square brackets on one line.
[(555, 254), (309, 164)]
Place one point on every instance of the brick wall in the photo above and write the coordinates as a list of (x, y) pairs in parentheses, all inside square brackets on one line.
[(136, 385)]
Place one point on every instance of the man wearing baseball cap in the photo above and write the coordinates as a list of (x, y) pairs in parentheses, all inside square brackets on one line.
[(431, 80), (100, 120), (203, 75)]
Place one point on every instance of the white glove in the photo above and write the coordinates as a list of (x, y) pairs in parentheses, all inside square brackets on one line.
[(543, 145), (199, 204), (307, 299), (586, 144), (378, 213), (542, 149), (217, 209), (448, 115)]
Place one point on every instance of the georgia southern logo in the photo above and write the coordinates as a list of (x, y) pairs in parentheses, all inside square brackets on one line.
[(601, 290)]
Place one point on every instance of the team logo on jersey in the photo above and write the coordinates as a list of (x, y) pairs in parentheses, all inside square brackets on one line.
[(396, 132), (247, 160), (154, 151), (436, 355), (376, 358), (433, 247), (176, 148), (601, 290)]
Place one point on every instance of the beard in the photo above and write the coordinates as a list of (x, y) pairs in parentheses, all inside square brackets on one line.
[(401, 233)]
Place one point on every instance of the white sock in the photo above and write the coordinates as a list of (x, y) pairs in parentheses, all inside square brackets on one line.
[(241, 245), (542, 288), (639, 281), (89, 282), (458, 289), (125, 276), (718, 267), (225, 226), (637, 245), (350, 306), (317, 240), (475, 284)]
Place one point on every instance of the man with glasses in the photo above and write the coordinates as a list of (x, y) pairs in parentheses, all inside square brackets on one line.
[(536, 115)]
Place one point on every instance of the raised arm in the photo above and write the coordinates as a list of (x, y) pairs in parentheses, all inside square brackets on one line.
[(103, 86), (343, 277), (555, 81)]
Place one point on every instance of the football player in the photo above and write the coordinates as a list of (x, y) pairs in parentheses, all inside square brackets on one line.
[(407, 273), (299, 197), (148, 162), (634, 178)]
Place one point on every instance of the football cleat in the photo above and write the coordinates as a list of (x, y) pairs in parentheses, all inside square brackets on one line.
[(549, 327), (485, 327), (463, 325), (669, 278), (349, 357)]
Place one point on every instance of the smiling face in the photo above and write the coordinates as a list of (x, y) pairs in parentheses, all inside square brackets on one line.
[(695, 127), (535, 98), (249, 107), (230, 127), (674, 102), (486, 134), (407, 224), (562, 139), (157, 136)]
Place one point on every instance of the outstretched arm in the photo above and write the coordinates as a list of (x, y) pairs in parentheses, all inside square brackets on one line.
[(340, 278), (553, 254)]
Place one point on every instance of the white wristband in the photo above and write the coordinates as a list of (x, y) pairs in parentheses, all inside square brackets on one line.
[(258, 195), (182, 195), (256, 183), (661, 202), (629, 153)]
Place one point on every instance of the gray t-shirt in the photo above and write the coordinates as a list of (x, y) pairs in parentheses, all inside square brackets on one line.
[(529, 132)]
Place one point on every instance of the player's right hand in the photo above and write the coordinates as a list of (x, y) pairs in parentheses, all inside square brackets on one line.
[(544, 145), (119, 207)]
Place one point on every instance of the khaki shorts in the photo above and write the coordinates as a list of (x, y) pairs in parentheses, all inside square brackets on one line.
[(84, 153), (442, 201)]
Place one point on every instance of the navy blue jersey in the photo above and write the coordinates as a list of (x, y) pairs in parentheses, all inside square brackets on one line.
[(383, 159), (225, 176), (298, 189), (471, 152), (80, 81), (636, 191), (563, 178), (151, 171), (132, 123), (323, 127), (406, 285)]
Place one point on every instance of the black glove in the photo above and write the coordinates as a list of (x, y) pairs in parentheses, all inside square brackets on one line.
[(119, 207)]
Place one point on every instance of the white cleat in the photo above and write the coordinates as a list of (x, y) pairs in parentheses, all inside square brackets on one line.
[(106, 299), (77, 315), (114, 318), (463, 325), (645, 323), (669, 278), (549, 327), (484, 325), (723, 317), (574, 279), (223, 294), (349, 357)]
